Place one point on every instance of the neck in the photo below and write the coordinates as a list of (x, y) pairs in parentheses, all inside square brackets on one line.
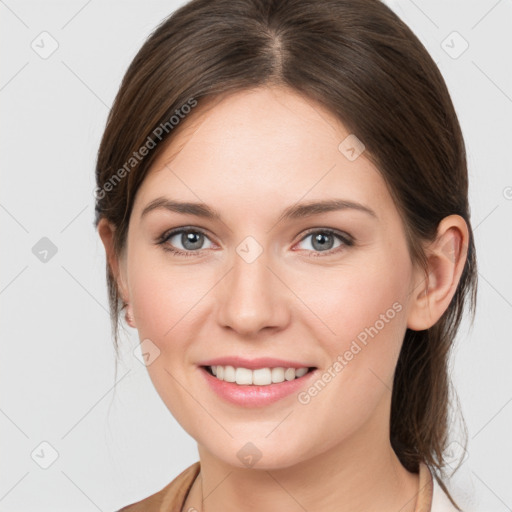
[(359, 474)]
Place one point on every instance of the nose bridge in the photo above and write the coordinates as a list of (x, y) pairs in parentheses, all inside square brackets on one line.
[(250, 299)]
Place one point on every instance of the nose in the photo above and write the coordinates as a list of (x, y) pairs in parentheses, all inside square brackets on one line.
[(251, 298)]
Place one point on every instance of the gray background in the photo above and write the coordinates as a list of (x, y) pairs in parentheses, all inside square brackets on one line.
[(114, 442)]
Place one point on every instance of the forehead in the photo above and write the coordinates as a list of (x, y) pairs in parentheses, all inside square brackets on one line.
[(268, 145)]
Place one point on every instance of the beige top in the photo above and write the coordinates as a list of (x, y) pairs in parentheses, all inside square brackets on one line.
[(431, 498)]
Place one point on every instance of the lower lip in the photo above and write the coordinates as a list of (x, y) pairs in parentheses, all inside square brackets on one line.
[(255, 396)]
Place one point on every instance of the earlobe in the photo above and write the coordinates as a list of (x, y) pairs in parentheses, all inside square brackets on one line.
[(446, 257), (128, 316)]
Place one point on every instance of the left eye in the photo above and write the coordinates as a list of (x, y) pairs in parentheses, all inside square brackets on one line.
[(323, 240)]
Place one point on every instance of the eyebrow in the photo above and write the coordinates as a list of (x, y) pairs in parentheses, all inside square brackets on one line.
[(296, 211)]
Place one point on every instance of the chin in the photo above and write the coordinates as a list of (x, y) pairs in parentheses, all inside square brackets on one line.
[(256, 455)]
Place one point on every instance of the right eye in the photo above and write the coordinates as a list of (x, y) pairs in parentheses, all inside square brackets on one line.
[(191, 240)]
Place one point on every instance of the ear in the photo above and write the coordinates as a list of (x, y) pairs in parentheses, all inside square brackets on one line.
[(116, 263), (446, 257)]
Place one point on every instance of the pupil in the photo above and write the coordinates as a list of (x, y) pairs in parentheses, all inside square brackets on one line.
[(188, 238), (320, 238)]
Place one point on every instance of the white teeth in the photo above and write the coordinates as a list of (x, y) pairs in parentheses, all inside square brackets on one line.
[(258, 377), (229, 374), (300, 372), (277, 375), (261, 376), (289, 373), (243, 376)]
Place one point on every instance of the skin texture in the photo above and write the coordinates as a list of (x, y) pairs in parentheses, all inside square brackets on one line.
[(250, 156)]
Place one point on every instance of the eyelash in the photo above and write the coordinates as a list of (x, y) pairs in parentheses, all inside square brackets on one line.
[(347, 240)]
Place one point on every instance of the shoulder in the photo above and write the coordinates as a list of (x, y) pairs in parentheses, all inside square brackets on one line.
[(440, 500), (171, 497)]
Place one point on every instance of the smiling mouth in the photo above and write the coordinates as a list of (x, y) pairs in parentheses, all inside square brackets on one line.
[(257, 377)]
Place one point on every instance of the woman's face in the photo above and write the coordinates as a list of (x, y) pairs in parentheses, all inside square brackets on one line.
[(323, 288)]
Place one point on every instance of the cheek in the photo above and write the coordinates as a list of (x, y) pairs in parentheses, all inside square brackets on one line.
[(164, 297), (363, 318), (355, 297), (166, 302), (368, 315)]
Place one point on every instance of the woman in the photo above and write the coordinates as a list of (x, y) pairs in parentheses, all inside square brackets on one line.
[(282, 196)]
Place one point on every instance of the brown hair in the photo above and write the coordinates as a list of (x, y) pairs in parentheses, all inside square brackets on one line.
[(358, 59)]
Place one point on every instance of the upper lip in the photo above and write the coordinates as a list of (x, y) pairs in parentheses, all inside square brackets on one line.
[(252, 364)]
